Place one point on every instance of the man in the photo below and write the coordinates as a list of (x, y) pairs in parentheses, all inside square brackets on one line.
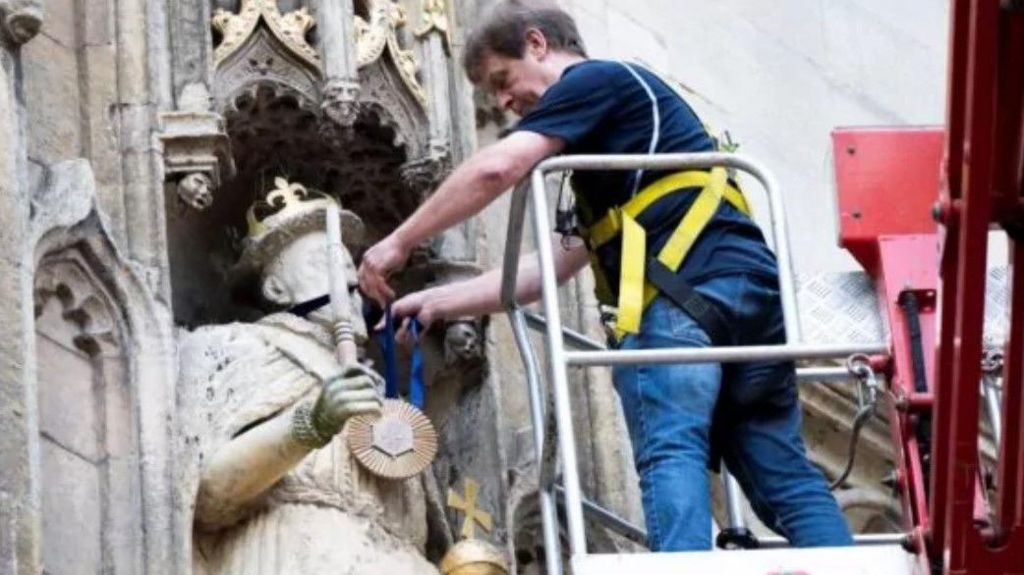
[(531, 58)]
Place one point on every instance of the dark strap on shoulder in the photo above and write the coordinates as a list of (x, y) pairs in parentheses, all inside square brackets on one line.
[(703, 311)]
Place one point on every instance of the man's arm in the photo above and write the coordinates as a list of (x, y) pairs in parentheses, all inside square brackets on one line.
[(468, 190), (482, 295)]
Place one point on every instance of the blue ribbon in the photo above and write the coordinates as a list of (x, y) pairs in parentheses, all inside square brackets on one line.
[(417, 393), (387, 343)]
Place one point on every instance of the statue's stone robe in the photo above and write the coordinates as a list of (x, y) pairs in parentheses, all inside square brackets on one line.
[(327, 515)]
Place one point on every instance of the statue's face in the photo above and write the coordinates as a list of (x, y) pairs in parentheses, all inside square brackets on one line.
[(300, 273)]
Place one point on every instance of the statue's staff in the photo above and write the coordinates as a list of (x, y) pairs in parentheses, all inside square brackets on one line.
[(401, 442), (341, 307)]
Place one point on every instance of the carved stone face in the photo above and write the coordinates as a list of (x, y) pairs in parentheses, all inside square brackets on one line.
[(461, 342), (299, 273), (194, 190)]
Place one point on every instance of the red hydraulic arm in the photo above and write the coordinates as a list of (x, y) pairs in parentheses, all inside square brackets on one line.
[(983, 186), (888, 227), (930, 280)]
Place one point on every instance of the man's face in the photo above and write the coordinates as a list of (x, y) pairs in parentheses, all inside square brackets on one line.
[(517, 84)]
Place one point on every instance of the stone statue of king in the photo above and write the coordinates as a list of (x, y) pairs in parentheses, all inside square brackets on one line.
[(262, 404)]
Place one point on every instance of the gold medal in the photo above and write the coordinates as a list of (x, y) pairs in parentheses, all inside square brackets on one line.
[(399, 444)]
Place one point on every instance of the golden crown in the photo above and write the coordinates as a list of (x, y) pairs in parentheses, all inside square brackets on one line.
[(286, 200), (286, 211)]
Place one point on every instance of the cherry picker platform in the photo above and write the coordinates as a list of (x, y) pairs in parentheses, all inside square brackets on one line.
[(916, 208)]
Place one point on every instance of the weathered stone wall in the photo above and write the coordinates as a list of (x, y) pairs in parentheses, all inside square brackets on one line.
[(87, 343), (87, 93)]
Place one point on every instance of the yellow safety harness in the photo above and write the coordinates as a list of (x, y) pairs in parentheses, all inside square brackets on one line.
[(638, 289), (642, 277)]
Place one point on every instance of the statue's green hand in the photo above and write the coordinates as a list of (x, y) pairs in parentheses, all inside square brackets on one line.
[(353, 392)]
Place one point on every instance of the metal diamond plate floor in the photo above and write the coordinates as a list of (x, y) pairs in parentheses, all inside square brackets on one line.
[(843, 308)]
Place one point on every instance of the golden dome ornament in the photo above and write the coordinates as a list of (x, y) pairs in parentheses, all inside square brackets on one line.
[(474, 557)]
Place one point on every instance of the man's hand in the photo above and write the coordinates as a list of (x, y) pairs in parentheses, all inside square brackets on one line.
[(419, 305), (354, 392), (379, 262)]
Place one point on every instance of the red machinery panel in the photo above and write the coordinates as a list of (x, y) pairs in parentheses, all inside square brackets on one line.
[(887, 180)]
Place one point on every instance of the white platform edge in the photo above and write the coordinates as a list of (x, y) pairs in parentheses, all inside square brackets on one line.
[(864, 560)]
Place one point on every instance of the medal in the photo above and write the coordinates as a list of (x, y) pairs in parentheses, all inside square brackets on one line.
[(397, 445), (402, 441)]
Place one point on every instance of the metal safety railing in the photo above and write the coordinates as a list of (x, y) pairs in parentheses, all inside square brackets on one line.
[(816, 374), (532, 194)]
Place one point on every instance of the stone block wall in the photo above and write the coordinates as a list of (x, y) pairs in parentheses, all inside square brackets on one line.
[(79, 174), (72, 105)]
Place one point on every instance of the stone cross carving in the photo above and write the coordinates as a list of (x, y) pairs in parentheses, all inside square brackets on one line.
[(467, 505)]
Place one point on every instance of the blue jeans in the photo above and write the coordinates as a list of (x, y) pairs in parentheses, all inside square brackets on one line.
[(669, 410)]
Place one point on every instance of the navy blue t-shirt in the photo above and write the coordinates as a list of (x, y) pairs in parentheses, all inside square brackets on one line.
[(599, 107)]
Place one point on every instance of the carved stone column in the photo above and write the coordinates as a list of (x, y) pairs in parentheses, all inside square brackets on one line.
[(336, 19), (137, 116), (20, 520), (190, 40), (435, 33), (425, 172)]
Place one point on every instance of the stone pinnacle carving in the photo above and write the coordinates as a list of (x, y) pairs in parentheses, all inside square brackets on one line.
[(435, 17), (21, 19)]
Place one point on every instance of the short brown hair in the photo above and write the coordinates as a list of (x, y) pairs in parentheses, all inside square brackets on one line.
[(503, 32)]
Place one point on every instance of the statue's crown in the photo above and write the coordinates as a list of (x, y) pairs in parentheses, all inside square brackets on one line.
[(284, 213), (285, 201)]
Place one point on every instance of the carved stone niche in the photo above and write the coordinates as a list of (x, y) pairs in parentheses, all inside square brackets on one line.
[(89, 455), (259, 44), (267, 86), (267, 45)]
